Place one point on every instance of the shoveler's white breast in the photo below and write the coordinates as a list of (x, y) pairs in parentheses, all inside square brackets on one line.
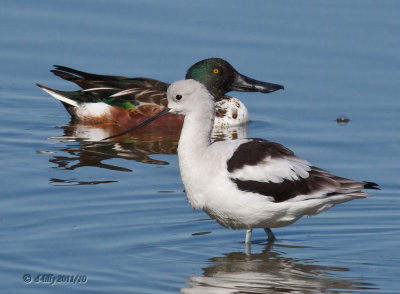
[(230, 112)]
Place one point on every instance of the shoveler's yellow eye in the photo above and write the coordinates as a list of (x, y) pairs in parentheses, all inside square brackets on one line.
[(216, 71)]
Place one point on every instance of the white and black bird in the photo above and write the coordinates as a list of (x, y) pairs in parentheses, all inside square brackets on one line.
[(247, 183)]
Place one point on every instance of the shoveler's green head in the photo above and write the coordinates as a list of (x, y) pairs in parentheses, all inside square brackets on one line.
[(220, 77)]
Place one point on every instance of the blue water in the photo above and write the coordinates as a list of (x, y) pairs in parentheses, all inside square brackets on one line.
[(114, 215)]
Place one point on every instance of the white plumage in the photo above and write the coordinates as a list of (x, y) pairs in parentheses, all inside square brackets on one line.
[(60, 97), (90, 111)]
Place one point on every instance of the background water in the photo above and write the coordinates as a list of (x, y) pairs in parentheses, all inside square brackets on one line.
[(116, 212)]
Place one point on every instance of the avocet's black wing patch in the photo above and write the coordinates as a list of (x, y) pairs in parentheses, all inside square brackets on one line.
[(316, 183), (270, 169), (255, 151)]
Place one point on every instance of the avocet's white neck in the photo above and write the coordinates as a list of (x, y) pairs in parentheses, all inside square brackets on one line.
[(196, 133), (192, 99), (192, 148)]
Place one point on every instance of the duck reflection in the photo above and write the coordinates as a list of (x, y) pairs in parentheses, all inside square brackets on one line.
[(83, 146), (270, 272)]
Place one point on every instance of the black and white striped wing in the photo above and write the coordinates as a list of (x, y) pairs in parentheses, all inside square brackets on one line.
[(270, 169)]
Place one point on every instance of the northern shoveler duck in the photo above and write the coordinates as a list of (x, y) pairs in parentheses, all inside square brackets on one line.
[(128, 101), (247, 183)]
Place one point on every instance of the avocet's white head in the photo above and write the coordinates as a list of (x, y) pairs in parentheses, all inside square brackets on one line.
[(187, 96)]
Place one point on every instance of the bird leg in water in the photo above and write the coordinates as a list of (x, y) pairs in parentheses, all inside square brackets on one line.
[(271, 236)]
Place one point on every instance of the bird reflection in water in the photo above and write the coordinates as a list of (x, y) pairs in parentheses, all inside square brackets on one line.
[(271, 272), (82, 146)]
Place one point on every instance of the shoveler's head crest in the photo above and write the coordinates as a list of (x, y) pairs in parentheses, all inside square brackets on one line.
[(220, 77)]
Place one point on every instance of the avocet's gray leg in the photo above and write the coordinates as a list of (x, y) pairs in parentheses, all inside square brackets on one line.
[(271, 236), (248, 236), (248, 249)]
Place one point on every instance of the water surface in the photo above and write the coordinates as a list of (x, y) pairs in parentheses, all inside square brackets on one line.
[(116, 213)]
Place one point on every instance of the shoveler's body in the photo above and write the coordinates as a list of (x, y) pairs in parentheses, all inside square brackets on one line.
[(128, 101)]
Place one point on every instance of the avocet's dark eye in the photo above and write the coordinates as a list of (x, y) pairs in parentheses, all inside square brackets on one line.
[(178, 97)]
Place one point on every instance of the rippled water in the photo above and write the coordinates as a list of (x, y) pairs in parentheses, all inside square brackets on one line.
[(114, 214)]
